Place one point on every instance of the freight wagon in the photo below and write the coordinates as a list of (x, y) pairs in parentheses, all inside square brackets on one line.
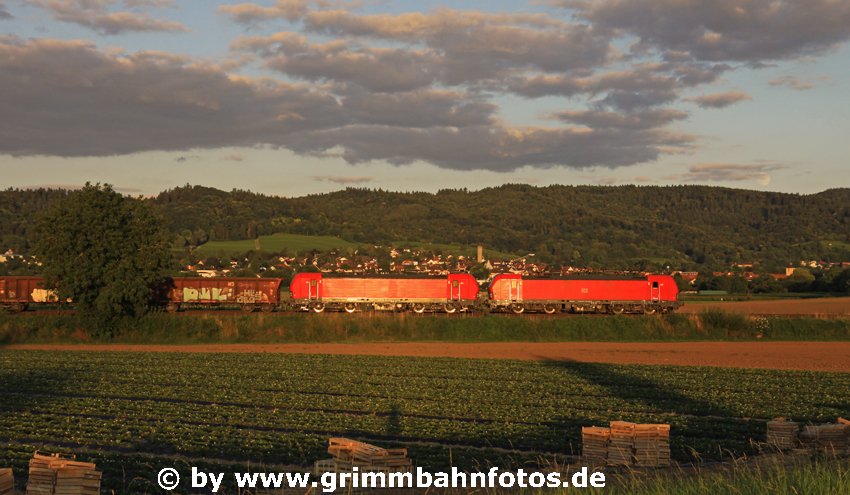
[(18, 293), (250, 294), (644, 294), (317, 292)]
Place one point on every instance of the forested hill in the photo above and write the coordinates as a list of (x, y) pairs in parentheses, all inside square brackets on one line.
[(686, 226)]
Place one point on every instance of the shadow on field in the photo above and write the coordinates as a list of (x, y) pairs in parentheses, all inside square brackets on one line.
[(25, 390), (638, 388)]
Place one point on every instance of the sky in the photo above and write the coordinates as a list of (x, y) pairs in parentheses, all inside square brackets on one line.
[(295, 97)]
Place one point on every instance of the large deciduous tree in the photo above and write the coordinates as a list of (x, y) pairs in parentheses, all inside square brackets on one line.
[(105, 251)]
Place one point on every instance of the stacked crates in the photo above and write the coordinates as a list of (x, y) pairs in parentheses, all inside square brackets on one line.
[(55, 475), (348, 454), (627, 444)]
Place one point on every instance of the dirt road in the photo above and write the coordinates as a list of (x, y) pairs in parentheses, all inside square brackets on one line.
[(814, 356)]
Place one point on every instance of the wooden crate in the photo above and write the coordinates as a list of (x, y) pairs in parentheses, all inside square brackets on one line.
[(77, 481), (594, 443), (782, 433), (7, 481)]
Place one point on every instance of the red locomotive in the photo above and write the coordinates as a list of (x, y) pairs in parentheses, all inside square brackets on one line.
[(646, 294), (316, 292)]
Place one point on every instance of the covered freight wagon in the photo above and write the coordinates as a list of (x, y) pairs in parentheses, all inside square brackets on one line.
[(317, 292), (18, 293), (642, 294), (249, 294)]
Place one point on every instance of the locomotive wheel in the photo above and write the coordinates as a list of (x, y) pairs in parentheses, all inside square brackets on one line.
[(617, 309), (418, 308), (649, 310), (517, 309), (549, 309), (317, 307), (450, 308), (350, 307)]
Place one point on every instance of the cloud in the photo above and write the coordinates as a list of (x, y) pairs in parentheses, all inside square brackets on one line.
[(751, 31), (95, 15), (234, 157), (251, 13), (378, 69), (474, 44), (128, 190), (420, 108), (157, 4), (793, 82), (4, 12), (69, 98), (342, 180), (645, 119), (186, 158), (720, 100), (495, 148), (727, 172), (446, 46), (638, 86)]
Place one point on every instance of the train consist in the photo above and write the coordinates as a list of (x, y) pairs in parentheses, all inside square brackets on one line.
[(453, 293)]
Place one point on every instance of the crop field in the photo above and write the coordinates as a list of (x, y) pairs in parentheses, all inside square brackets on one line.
[(133, 413)]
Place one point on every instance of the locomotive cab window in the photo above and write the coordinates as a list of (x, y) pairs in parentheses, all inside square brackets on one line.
[(654, 285), (313, 282), (454, 284)]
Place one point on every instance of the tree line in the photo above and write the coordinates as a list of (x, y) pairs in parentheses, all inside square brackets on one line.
[(623, 227)]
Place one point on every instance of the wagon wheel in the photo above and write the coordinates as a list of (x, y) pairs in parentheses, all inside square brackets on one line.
[(450, 308), (267, 308), (618, 309), (517, 308), (317, 307), (248, 308), (549, 309), (350, 307), (418, 308), (172, 307)]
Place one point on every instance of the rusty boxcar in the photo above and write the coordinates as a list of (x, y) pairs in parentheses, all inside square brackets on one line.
[(18, 293), (250, 294)]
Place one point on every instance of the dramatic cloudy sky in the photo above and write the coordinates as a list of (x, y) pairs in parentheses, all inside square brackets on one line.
[(292, 97)]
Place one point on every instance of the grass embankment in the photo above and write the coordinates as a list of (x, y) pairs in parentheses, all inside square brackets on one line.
[(776, 475), (226, 327)]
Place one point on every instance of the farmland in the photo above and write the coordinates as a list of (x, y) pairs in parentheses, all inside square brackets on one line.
[(135, 412)]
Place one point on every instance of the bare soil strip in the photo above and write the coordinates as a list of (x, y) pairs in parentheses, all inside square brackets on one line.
[(813, 356), (826, 306)]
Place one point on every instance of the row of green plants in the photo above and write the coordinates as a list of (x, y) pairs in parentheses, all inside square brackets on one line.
[(139, 409), (229, 327)]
